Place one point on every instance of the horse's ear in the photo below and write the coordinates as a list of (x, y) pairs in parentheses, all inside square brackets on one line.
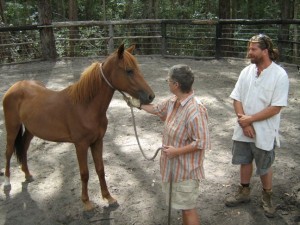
[(121, 51), (131, 49)]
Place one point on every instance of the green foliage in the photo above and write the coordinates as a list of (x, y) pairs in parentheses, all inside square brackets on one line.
[(18, 13), (21, 12), (182, 40)]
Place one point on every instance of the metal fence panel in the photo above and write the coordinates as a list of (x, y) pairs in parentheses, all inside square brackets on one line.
[(171, 38)]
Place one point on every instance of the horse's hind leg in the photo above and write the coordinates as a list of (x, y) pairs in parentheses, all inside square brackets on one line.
[(96, 149), (27, 137), (12, 131), (8, 155)]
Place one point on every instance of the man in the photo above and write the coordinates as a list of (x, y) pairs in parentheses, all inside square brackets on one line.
[(185, 139), (258, 97)]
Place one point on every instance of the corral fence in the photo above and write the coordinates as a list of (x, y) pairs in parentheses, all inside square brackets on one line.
[(198, 39)]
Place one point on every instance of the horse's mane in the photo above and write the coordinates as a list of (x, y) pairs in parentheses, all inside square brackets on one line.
[(88, 84)]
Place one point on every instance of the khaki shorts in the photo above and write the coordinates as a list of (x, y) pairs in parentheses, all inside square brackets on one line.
[(244, 153), (184, 194)]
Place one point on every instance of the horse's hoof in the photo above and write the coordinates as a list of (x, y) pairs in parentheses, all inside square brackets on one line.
[(113, 202), (88, 206), (29, 179), (6, 187)]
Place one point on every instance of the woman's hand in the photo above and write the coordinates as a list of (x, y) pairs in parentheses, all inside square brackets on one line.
[(170, 151)]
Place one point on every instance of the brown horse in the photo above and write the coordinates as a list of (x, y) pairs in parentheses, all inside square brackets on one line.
[(76, 114)]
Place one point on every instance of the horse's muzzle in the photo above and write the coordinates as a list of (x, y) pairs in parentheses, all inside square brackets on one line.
[(146, 98)]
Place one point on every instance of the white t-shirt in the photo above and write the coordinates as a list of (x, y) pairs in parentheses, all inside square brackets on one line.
[(256, 93)]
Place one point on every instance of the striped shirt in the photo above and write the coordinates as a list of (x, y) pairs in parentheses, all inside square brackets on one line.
[(188, 124)]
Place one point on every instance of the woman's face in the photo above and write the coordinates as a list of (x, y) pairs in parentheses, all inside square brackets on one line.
[(172, 84)]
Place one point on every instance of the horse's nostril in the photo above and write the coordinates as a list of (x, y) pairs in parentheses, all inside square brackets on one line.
[(151, 97), (146, 98)]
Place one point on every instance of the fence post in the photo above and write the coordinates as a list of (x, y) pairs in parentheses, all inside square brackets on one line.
[(163, 38), (46, 33), (282, 45), (111, 38), (218, 40)]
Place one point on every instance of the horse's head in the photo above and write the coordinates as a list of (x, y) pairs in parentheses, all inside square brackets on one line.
[(124, 74)]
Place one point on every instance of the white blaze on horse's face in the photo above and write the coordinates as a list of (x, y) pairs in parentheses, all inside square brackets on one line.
[(130, 78)]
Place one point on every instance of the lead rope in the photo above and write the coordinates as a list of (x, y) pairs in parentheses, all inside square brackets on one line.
[(140, 147), (152, 158), (170, 193), (133, 119), (138, 141)]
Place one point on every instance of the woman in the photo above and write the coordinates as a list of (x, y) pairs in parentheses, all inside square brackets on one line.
[(185, 139)]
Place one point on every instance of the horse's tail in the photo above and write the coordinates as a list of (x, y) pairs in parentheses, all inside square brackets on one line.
[(19, 145)]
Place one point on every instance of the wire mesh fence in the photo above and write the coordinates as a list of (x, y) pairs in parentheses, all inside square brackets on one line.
[(191, 40), (19, 46), (236, 37), (175, 38), (81, 41)]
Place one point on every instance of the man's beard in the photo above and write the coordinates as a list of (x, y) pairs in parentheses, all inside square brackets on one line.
[(255, 60)]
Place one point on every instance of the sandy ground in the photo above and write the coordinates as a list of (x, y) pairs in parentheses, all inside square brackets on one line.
[(54, 197)]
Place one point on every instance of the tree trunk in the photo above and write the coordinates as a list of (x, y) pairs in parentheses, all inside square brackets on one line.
[(150, 12), (5, 51), (296, 35), (73, 31), (46, 33), (224, 9), (128, 10), (104, 10), (61, 9), (234, 9), (89, 10), (283, 35), (224, 13), (149, 9), (250, 9), (2, 8)]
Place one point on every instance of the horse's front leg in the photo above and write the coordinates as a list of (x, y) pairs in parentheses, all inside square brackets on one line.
[(96, 149), (81, 152)]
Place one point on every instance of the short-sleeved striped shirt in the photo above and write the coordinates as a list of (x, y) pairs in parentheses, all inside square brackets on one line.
[(188, 125)]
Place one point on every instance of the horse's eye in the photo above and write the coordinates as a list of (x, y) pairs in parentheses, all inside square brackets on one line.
[(129, 72)]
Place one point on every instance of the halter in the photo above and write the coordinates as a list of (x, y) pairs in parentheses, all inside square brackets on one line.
[(126, 98), (109, 84)]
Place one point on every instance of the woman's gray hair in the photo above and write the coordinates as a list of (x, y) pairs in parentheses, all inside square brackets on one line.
[(183, 75)]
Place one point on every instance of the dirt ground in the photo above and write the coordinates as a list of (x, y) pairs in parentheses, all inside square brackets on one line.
[(54, 196)]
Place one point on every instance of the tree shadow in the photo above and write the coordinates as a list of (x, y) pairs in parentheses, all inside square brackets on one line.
[(64, 206)]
